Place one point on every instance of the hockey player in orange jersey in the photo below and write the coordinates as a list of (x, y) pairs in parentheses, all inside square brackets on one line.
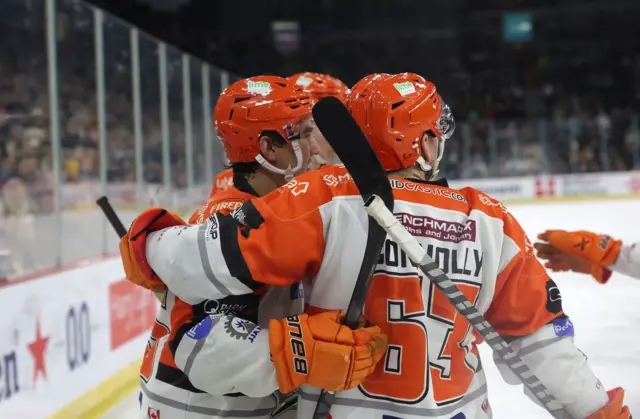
[(315, 226), (321, 86), (590, 253), (218, 383)]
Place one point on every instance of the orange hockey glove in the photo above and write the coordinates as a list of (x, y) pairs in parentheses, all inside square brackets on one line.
[(133, 246), (615, 408), (578, 251), (318, 350)]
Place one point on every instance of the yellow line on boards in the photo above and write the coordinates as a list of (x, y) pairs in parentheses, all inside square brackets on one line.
[(97, 401)]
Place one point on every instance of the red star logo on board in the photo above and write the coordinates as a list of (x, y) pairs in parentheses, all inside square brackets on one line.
[(37, 349), (153, 413)]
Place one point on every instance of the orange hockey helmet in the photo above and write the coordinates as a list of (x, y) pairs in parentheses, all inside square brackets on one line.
[(394, 111), (249, 107), (321, 85)]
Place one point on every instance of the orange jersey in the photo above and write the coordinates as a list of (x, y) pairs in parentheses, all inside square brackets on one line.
[(169, 379), (222, 182), (315, 226)]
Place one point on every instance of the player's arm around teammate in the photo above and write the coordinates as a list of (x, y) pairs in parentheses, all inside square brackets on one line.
[(277, 108)]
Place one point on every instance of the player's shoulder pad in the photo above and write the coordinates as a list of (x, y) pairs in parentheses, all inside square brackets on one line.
[(496, 209), (311, 190), (222, 182), (485, 203), (223, 202)]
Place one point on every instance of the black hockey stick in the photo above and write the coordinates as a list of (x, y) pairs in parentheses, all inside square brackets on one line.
[(365, 169), (114, 220), (345, 137)]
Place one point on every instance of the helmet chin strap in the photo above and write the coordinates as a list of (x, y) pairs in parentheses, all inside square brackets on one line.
[(432, 168), (289, 172)]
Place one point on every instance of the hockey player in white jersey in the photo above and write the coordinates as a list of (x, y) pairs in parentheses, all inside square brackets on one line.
[(226, 379), (589, 253), (315, 226)]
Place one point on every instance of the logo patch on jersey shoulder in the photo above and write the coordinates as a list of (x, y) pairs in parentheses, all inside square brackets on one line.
[(563, 327), (222, 307), (201, 330), (212, 229), (297, 187), (240, 216), (333, 180), (226, 206), (554, 298), (241, 329)]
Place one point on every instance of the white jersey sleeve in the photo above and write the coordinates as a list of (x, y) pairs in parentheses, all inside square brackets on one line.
[(628, 261), (226, 354), (551, 355), (201, 262)]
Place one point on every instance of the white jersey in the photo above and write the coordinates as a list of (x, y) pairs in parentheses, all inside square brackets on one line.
[(221, 381), (628, 261), (316, 227)]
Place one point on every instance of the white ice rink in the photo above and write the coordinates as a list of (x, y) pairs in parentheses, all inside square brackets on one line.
[(606, 317)]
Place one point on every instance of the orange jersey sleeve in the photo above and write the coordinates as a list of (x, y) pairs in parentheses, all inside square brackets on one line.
[(224, 202), (274, 240), (527, 310), (286, 241), (525, 297)]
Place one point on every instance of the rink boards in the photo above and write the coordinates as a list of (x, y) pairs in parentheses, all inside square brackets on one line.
[(68, 332)]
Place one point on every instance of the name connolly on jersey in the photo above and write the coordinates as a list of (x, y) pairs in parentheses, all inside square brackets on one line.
[(467, 262)]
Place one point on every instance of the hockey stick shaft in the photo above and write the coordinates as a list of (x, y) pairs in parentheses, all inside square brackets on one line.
[(114, 220), (375, 241), (348, 141), (116, 223), (376, 209)]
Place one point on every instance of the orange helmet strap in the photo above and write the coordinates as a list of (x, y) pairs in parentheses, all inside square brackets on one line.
[(289, 172)]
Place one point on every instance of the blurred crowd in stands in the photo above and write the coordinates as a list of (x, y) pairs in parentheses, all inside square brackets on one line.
[(519, 110), (25, 148)]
